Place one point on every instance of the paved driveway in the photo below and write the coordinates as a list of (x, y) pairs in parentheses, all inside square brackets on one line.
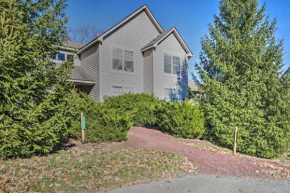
[(209, 184)]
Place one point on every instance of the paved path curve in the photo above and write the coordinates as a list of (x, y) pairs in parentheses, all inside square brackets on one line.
[(210, 162), (209, 184)]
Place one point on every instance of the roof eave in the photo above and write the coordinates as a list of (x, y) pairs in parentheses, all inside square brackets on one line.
[(100, 38), (148, 48), (89, 45), (87, 82)]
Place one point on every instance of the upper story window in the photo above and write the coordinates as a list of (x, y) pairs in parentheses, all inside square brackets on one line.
[(171, 64), (61, 56), (123, 60)]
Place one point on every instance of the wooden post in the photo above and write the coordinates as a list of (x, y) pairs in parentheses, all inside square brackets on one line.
[(235, 140), (83, 131)]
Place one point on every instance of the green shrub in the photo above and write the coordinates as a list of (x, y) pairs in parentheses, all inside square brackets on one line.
[(180, 119), (102, 123), (37, 129), (141, 107)]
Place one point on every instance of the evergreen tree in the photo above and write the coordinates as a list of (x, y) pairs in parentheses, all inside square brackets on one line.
[(241, 64), (35, 107)]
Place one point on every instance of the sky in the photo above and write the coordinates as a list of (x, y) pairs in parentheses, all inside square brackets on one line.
[(190, 17)]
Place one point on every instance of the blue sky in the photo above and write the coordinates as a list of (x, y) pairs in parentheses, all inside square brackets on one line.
[(190, 17)]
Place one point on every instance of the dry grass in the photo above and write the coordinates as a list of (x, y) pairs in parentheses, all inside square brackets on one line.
[(90, 168)]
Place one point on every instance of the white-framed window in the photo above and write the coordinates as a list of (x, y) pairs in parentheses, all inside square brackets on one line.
[(122, 59), (117, 59), (171, 94), (171, 64), (119, 90)]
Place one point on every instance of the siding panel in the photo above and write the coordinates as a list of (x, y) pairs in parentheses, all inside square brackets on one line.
[(134, 35), (90, 62), (163, 80), (148, 71)]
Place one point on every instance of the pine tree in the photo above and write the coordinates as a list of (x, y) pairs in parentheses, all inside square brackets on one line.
[(241, 65), (35, 107)]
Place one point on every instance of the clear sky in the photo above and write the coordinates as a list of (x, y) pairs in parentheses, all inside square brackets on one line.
[(190, 17)]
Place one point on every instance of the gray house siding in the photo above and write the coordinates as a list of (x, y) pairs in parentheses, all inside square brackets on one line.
[(163, 80), (148, 71), (90, 62), (134, 35)]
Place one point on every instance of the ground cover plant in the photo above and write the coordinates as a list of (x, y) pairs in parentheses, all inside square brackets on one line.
[(89, 168), (244, 85)]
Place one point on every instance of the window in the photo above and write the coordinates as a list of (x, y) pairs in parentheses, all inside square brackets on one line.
[(117, 59), (167, 63), (128, 90), (171, 64), (61, 56), (129, 61), (171, 94), (167, 94), (123, 60), (176, 65), (117, 90)]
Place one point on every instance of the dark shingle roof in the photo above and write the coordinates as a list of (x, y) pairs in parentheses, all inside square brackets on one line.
[(160, 36), (72, 44), (78, 73)]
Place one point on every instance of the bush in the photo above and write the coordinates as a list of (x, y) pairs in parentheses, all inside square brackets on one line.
[(37, 129), (102, 123), (180, 119), (141, 107)]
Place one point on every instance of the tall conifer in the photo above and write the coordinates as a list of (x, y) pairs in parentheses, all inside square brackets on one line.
[(241, 65), (35, 110)]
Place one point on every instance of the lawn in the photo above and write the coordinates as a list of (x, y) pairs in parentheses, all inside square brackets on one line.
[(90, 168)]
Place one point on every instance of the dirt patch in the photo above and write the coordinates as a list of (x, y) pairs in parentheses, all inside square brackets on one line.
[(209, 161)]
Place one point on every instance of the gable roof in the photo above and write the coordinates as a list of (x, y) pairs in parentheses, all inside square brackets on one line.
[(155, 40), (162, 36), (100, 37), (71, 44), (79, 74)]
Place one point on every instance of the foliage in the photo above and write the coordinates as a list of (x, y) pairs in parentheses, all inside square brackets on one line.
[(102, 123), (140, 106), (181, 119), (35, 99), (241, 63)]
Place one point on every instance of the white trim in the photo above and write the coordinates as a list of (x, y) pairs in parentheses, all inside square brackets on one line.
[(180, 40), (66, 48), (120, 85), (123, 48), (148, 48), (100, 38), (81, 81), (100, 73)]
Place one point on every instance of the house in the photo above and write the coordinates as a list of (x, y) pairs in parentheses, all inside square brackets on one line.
[(136, 55)]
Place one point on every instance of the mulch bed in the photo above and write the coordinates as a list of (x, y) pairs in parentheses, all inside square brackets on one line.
[(220, 163)]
